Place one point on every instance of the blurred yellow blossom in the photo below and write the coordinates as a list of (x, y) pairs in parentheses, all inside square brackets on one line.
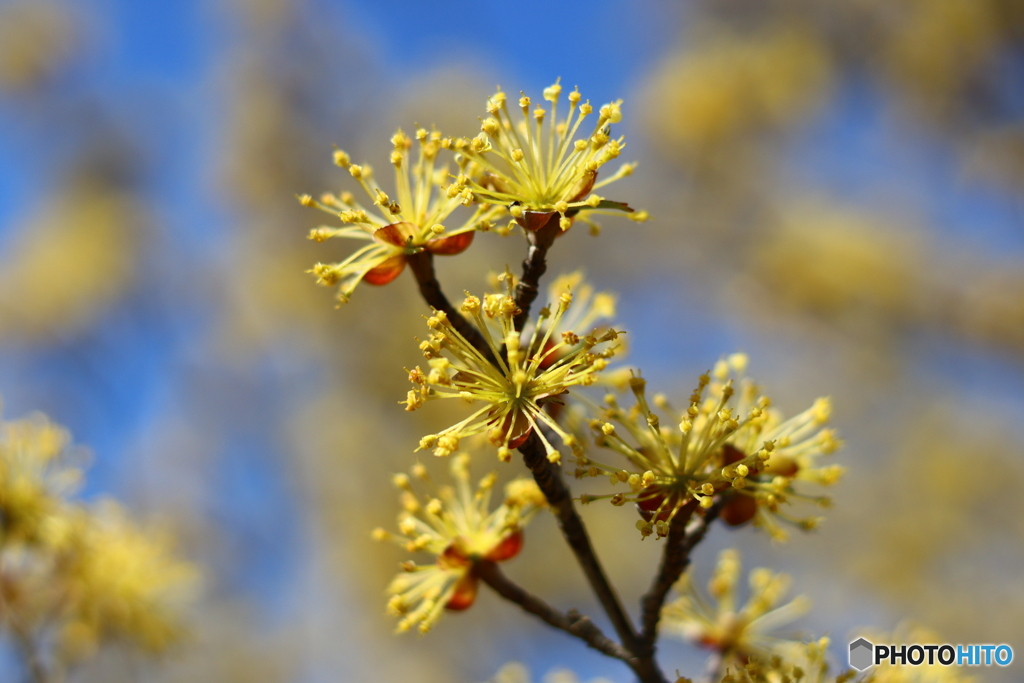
[(727, 85), (69, 261), (83, 572), (969, 33), (805, 663), (851, 264), (514, 672), (737, 632), (122, 583), (37, 474)]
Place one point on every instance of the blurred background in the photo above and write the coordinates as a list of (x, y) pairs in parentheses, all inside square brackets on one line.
[(836, 189)]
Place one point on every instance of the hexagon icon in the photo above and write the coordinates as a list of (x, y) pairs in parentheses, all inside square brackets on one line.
[(861, 654)]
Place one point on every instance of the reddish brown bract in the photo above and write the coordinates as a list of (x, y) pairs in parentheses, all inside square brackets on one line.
[(465, 594), (385, 272), (451, 245), (508, 548)]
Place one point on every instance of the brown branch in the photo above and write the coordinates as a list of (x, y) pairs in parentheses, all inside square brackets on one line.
[(534, 266), (674, 560), (547, 475), (571, 622), (422, 266), (549, 478)]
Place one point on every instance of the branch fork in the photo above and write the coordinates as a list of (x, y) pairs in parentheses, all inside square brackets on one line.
[(636, 648)]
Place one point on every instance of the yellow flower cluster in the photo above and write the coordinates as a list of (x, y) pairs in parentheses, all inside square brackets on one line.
[(124, 583), (401, 225), (454, 524), (739, 633), (728, 87), (588, 306), (532, 173), (729, 440), (808, 664), (37, 474), (728, 451), (515, 672), (539, 167), (86, 231), (84, 572), (530, 371)]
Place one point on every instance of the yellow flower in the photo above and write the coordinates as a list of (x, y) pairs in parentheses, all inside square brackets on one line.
[(122, 583), (590, 310), (533, 370), (803, 663), (399, 226), (588, 306), (85, 573), (456, 526), (736, 632), (538, 167), (727, 440), (514, 672), (74, 256), (728, 87), (35, 478)]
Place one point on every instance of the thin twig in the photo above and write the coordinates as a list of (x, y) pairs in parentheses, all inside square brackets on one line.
[(547, 475), (674, 560), (422, 266), (571, 622), (534, 266), (549, 478)]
